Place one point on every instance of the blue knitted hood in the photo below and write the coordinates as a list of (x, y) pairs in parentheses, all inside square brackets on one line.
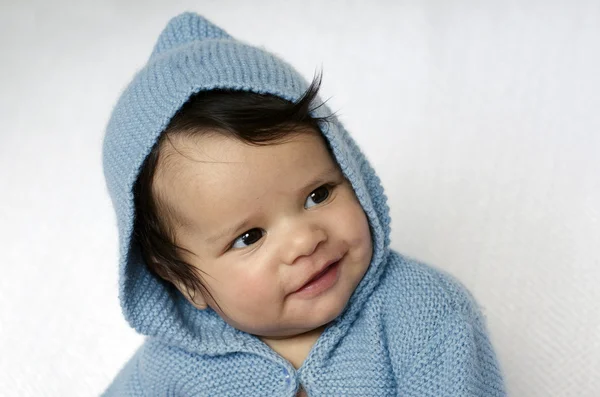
[(194, 55)]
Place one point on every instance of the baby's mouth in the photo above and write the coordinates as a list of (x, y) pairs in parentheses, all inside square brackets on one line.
[(318, 276), (321, 281)]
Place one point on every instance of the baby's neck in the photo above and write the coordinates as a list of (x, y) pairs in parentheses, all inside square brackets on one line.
[(295, 348)]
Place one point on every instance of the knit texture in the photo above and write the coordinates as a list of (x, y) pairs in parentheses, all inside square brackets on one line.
[(408, 329)]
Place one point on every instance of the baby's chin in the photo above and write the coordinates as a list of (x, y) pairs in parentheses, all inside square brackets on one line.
[(292, 333), (289, 330), (279, 331), (279, 328), (319, 320)]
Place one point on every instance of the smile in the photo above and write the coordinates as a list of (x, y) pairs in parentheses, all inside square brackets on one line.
[(320, 283)]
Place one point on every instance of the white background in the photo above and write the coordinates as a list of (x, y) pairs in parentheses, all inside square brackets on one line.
[(482, 118)]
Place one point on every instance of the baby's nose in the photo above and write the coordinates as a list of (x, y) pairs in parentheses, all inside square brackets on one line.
[(302, 242)]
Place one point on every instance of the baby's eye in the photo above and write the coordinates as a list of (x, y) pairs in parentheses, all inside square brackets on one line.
[(317, 196), (248, 238)]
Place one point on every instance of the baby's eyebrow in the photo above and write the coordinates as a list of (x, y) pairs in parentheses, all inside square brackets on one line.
[(237, 228), (321, 178)]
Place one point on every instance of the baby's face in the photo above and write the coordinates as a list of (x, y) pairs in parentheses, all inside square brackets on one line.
[(276, 231)]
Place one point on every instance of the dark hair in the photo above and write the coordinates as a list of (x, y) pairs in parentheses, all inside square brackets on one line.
[(257, 119)]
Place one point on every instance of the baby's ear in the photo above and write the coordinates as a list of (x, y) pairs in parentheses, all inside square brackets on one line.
[(196, 298), (199, 302)]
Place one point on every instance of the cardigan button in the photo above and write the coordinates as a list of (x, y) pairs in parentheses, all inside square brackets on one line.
[(286, 376)]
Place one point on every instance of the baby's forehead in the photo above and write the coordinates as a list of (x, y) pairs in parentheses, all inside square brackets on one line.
[(171, 150), (216, 172), (178, 151)]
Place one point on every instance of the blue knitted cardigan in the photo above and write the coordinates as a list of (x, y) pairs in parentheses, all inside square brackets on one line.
[(407, 330)]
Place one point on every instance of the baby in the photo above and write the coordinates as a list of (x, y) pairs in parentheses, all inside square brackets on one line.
[(254, 242)]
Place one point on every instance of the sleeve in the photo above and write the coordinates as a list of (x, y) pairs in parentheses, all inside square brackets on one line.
[(456, 358), (127, 382), (458, 361)]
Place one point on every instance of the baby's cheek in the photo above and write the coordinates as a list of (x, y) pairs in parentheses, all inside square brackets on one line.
[(252, 290), (351, 219)]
